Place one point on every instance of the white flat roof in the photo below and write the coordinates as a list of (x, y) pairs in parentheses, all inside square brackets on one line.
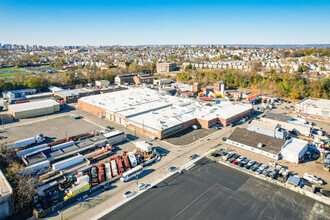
[(294, 145), (264, 125), (33, 105), (160, 111), (316, 103)]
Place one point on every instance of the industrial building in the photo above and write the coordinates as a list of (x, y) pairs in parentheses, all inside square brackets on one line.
[(143, 78), (6, 197), (257, 143), (17, 94), (32, 109), (288, 123), (318, 108), (294, 150), (269, 129), (159, 115), (72, 95)]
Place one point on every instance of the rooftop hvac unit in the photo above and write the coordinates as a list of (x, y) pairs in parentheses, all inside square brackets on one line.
[(260, 145)]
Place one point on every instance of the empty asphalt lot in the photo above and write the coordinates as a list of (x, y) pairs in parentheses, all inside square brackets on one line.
[(214, 191)]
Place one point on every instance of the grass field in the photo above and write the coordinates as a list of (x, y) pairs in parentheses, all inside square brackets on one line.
[(2, 75)]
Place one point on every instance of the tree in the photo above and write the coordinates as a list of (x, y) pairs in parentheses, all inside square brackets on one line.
[(189, 67), (302, 68), (235, 57)]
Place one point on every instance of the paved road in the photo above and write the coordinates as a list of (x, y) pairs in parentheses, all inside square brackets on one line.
[(214, 191)]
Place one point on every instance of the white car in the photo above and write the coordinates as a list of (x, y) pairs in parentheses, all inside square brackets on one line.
[(240, 158), (128, 194), (141, 186)]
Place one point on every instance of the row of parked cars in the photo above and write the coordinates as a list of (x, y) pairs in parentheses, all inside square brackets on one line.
[(252, 165)]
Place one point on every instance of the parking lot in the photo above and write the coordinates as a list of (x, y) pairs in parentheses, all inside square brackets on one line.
[(54, 128), (310, 167), (213, 191)]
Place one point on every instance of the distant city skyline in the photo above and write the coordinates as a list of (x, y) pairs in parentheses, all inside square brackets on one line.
[(60, 23)]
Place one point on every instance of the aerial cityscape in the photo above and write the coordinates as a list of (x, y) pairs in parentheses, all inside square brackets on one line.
[(164, 110)]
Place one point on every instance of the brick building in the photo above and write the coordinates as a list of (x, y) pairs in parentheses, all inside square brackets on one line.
[(165, 67)]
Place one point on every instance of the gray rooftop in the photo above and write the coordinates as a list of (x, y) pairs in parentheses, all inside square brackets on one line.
[(277, 117), (252, 139)]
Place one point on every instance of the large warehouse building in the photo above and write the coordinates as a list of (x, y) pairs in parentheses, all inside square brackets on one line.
[(159, 115), (32, 109), (318, 108)]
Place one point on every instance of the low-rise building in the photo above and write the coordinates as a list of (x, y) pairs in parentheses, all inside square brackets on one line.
[(257, 143), (32, 109), (270, 129), (72, 95), (294, 150), (144, 78), (318, 108), (165, 67), (287, 123), (102, 83), (124, 79)]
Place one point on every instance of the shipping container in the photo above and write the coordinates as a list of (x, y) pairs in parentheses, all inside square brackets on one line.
[(68, 162), (28, 141), (206, 98), (108, 173), (62, 145), (36, 167), (126, 161), (100, 173), (114, 167), (120, 165), (21, 153)]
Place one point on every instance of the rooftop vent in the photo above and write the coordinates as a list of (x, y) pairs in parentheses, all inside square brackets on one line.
[(261, 145)]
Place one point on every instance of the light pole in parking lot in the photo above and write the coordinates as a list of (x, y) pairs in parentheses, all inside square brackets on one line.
[(179, 160)]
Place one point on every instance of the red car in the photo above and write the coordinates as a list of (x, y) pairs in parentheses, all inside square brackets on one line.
[(235, 162)]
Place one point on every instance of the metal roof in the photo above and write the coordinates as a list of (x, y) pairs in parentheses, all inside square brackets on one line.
[(33, 105)]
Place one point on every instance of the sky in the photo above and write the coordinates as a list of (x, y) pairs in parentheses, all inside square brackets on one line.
[(140, 22)]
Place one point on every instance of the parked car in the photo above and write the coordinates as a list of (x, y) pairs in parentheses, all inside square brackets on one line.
[(194, 156), (272, 175), (235, 162), (141, 186), (214, 154), (256, 164), (251, 162), (241, 163), (224, 139), (128, 194), (240, 158), (259, 170), (230, 160), (247, 166), (253, 168), (263, 166), (172, 169), (265, 172)]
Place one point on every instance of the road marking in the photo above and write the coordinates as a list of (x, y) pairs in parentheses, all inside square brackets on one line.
[(192, 202)]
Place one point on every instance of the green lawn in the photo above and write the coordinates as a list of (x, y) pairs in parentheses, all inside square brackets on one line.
[(13, 73)]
